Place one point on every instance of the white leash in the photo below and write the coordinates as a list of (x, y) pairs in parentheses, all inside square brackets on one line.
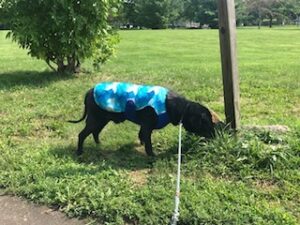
[(175, 217)]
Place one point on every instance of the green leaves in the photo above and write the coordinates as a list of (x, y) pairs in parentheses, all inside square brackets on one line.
[(63, 32), (243, 157), (155, 14)]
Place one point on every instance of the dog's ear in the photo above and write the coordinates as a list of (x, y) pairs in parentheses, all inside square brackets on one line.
[(215, 118)]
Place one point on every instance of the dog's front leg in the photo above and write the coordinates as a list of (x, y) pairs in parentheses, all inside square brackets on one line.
[(145, 138)]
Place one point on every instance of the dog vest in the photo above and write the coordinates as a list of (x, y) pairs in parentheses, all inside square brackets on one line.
[(128, 98)]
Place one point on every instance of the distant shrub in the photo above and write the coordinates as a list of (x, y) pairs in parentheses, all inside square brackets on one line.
[(63, 32)]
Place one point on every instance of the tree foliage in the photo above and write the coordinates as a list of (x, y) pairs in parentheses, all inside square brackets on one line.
[(153, 14), (129, 13), (291, 9), (63, 32), (202, 11), (167, 13), (255, 11)]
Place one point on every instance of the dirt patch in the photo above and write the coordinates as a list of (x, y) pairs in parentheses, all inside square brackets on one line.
[(139, 177), (265, 186), (296, 110), (271, 128)]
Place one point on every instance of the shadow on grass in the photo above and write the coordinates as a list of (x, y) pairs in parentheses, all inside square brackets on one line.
[(126, 157), (130, 157), (30, 79)]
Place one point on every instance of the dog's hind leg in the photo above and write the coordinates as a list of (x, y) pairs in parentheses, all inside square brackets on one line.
[(90, 127), (141, 137), (97, 131)]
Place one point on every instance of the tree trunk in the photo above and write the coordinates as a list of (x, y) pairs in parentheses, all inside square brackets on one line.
[(73, 65), (78, 66), (70, 68), (60, 66), (271, 22), (259, 19)]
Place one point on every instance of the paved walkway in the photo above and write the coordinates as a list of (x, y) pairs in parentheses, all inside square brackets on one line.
[(14, 211)]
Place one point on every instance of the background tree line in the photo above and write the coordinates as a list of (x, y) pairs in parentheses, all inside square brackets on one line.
[(64, 33), (158, 14)]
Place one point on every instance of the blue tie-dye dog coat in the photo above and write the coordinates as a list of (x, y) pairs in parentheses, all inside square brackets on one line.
[(128, 98)]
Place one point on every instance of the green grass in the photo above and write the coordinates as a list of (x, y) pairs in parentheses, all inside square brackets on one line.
[(252, 179)]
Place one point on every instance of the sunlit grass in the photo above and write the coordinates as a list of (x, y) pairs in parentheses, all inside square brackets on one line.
[(252, 179)]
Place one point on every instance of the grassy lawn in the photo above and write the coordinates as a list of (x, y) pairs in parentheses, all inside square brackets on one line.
[(252, 179)]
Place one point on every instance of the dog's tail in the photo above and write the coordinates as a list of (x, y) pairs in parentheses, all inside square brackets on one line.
[(84, 113)]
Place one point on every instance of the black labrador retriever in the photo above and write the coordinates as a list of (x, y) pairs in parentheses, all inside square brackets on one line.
[(195, 117)]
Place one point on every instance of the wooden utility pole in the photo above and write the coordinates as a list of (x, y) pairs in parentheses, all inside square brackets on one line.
[(227, 33)]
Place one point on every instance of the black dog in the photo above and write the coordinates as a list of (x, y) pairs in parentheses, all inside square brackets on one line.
[(195, 118)]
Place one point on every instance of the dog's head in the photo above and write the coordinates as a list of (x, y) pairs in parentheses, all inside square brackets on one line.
[(202, 121), (199, 120)]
